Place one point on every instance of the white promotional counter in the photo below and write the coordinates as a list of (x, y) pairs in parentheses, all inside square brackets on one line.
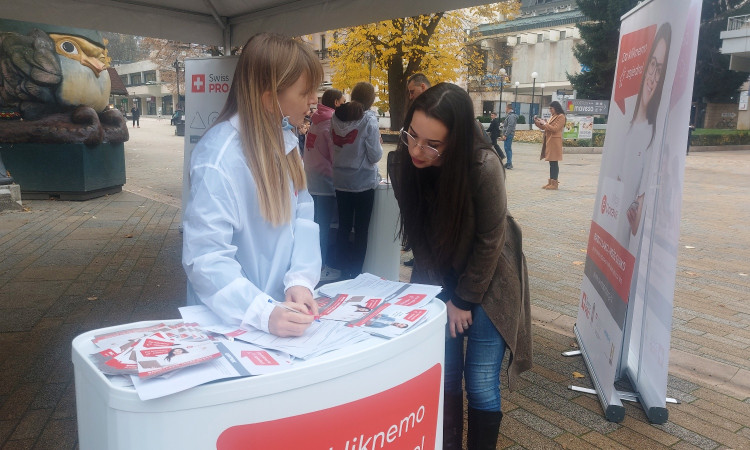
[(383, 247), (378, 394)]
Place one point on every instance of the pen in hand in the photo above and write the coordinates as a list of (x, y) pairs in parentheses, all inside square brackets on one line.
[(289, 308)]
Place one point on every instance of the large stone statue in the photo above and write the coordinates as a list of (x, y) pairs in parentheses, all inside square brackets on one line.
[(54, 86), (58, 135)]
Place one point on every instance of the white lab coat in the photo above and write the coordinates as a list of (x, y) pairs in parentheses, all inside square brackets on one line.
[(234, 259)]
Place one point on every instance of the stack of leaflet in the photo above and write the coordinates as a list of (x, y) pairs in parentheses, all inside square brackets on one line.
[(321, 337), (149, 357), (379, 307), (205, 349)]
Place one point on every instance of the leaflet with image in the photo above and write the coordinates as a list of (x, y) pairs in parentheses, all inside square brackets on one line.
[(389, 321), (157, 355)]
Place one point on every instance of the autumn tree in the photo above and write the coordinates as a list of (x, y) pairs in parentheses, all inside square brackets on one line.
[(387, 53), (124, 48)]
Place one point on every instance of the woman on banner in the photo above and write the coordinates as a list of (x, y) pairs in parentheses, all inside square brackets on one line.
[(552, 148), (450, 188), (640, 139), (249, 235)]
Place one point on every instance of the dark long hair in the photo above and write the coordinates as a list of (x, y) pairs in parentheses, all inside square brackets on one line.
[(434, 201), (557, 107), (663, 34)]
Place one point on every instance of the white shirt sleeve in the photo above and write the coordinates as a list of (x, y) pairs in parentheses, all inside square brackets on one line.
[(306, 259), (210, 218)]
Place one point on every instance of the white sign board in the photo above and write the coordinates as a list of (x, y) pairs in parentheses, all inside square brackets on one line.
[(625, 313), (207, 82)]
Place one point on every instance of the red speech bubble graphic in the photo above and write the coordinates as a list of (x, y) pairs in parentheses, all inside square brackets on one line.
[(631, 62)]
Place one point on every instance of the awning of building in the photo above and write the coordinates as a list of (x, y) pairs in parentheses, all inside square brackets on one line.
[(118, 88), (218, 22)]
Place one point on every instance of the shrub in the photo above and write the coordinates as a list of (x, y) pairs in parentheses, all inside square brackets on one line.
[(521, 119), (484, 119)]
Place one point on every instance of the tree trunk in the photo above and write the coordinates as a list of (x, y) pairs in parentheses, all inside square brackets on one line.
[(397, 94)]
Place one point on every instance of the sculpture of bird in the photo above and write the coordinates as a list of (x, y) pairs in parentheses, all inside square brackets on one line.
[(50, 73)]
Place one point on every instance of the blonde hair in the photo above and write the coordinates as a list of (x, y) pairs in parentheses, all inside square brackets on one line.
[(270, 63)]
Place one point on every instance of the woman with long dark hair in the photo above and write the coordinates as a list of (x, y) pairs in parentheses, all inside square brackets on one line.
[(450, 187), (552, 148)]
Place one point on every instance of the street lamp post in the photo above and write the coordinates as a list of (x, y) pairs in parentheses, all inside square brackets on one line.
[(177, 80), (502, 82), (516, 100), (532, 104), (541, 98)]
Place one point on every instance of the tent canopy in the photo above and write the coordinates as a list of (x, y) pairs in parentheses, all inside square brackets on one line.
[(218, 22)]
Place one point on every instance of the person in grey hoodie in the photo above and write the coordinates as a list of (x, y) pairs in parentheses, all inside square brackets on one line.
[(356, 150)]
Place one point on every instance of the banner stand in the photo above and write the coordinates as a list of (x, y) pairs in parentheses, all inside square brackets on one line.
[(614, 411)]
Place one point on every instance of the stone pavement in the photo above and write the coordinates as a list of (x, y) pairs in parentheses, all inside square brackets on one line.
[(69, 267)]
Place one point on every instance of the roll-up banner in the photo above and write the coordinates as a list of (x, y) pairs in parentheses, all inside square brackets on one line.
[(207, 83), (625, 310)]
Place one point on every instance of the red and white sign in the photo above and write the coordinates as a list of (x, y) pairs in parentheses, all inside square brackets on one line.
[(199, 82), (403, 417)]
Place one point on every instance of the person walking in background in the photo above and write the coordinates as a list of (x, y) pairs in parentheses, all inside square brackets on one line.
[(319, 171), (136, 113), (494, 130), (509, 130), (416, 84), (552, 148), (249, 235), (450, 188), (302, 135), (357, 149)]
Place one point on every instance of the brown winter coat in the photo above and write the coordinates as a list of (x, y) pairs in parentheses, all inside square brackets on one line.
[(488, 260), (552, 148)]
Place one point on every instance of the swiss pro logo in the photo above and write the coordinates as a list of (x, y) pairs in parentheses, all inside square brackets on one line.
[(199, 83), (608, 209)]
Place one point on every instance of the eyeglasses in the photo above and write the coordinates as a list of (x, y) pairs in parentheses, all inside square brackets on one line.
[(654, 67), (430, 153)]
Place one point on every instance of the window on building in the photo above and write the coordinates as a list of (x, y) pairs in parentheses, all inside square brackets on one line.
[(150, 76), (124, 79), (518, 40), (540, 37), (562, 35), (323, 42), (135, 79)]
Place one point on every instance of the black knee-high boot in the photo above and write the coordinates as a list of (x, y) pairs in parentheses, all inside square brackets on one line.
[(453, 421), (484, 426)]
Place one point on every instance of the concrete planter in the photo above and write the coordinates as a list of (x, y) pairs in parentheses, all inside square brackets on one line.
[(67, 171)]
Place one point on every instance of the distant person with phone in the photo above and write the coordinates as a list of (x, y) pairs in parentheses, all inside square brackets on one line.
[(552, 148)]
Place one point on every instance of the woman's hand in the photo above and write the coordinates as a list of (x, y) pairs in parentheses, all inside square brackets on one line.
[(458, 319), (634, 214), (302, 296), (285, 323)]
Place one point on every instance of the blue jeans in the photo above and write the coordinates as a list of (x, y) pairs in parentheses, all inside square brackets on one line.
[(508, 150), (323, 212), (485, 349)]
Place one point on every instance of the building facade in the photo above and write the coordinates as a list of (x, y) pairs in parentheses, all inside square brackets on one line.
[(146, 90), (539, 41)]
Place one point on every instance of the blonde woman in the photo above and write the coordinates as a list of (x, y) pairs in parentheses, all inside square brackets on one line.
[(249, 235)]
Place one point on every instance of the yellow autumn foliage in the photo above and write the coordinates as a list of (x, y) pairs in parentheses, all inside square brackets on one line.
[(386, 53)]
